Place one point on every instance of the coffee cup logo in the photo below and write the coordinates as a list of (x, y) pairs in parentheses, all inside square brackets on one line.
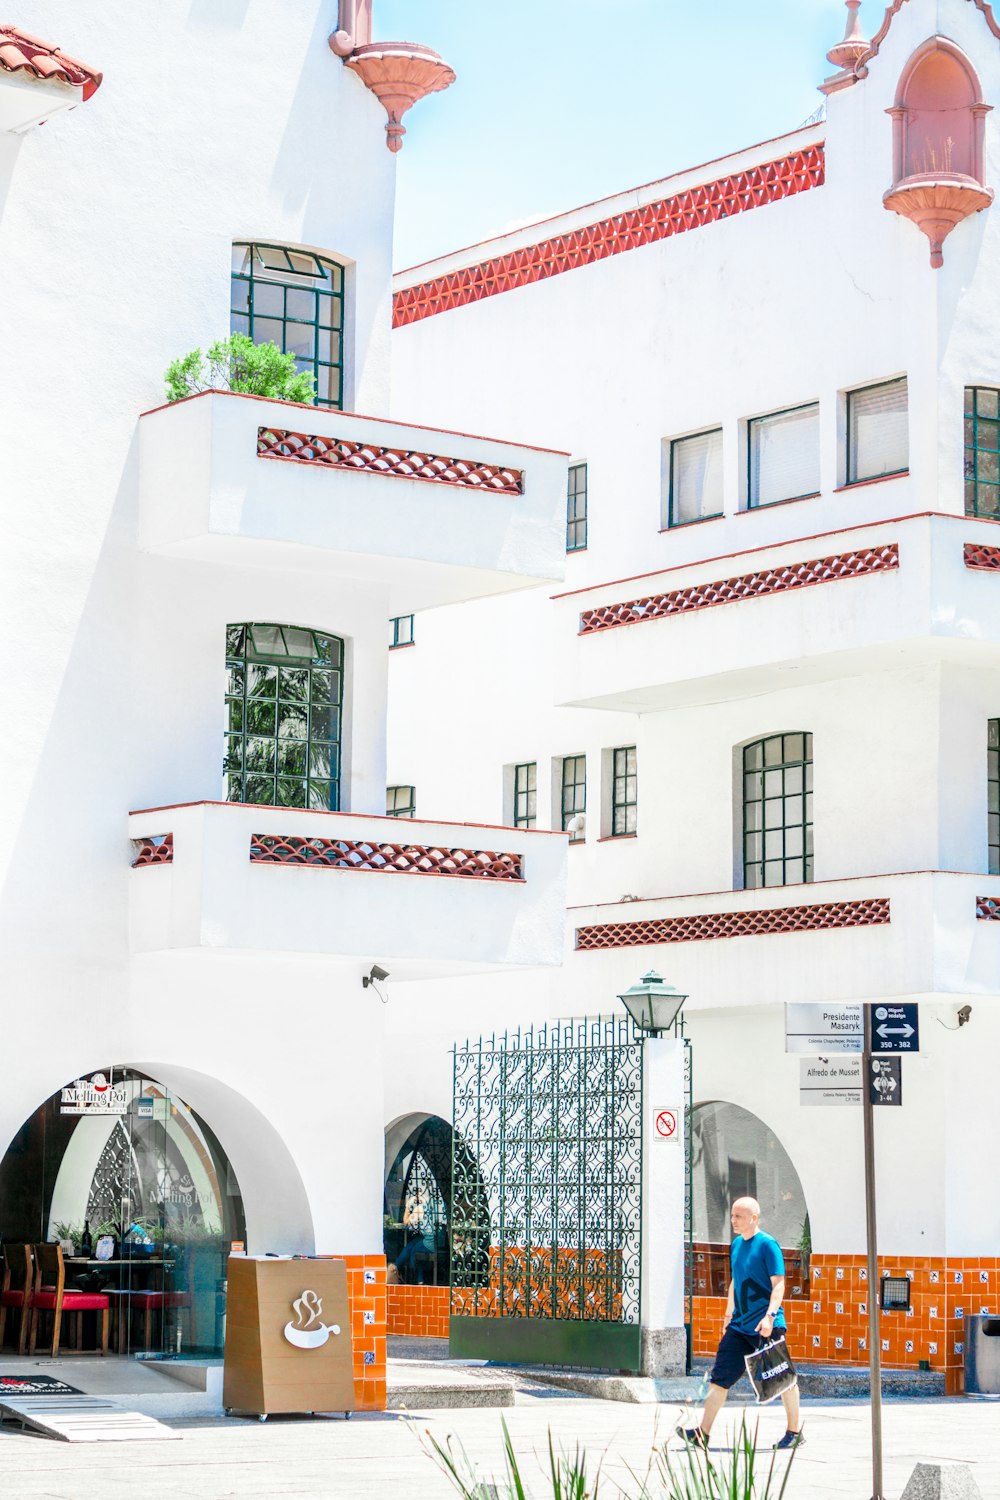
[(307, 1330)]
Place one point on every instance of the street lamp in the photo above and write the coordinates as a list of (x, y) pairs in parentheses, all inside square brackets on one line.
[(653, 1005)]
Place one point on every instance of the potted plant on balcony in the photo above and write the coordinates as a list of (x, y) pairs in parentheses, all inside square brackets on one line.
[(238, 364)]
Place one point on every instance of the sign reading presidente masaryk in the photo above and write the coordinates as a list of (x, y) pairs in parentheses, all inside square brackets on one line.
[(95, 1096), (832, 1080), (824, 1028)]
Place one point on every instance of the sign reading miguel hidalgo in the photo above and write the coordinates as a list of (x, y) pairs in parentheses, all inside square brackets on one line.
[(822, 1029), (895, 1028), (95, 1096)]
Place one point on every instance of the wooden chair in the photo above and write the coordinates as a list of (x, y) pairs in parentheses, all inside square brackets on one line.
[(50, 1295), (150, 1304), (15, 1289)]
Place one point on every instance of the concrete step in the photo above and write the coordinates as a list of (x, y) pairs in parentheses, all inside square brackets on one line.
[(416, 1385)]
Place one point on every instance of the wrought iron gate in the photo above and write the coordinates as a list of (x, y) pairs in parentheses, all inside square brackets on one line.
[(546, 1227)]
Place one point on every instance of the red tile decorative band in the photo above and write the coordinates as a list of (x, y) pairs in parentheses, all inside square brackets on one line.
[(986, 558), (396, 463), (988, 908), (730, 924), (700, 205), (158, 849), (391, 859), (749, 586)]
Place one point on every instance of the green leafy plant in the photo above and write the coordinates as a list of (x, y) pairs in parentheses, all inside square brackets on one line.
[(805, 1243), (238, 364), (71, 1232), (567, 1472)]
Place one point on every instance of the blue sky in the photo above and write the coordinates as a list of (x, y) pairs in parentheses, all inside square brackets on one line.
[(560, 102)]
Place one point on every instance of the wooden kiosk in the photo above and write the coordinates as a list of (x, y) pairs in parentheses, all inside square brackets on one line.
[(288, 1337)]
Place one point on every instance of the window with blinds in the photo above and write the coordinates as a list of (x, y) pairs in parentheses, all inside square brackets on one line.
[(783, 456), (695, 478), (877, 431)]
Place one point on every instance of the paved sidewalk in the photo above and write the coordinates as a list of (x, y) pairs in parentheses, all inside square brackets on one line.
[(372, 1457)]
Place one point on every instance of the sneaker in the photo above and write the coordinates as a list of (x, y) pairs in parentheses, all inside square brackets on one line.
[(790, 1440), (694, 1437)]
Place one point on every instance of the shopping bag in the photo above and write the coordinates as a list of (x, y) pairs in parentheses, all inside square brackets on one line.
[(770, 1370)]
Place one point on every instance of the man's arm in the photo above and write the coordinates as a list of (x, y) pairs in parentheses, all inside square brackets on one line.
[(766, 1325), (730, 1308)]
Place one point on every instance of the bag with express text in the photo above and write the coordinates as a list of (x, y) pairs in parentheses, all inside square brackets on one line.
[(770, 1370)]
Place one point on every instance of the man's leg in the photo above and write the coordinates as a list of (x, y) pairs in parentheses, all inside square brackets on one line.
[(790, 1401), (715, 1402)]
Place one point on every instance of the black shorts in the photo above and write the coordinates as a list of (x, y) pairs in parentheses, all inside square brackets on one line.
[(730, 1360)]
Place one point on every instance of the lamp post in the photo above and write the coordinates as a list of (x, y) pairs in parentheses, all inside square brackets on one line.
[(653, 1005)]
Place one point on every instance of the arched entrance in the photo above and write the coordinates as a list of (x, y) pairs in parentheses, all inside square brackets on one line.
[(144, 1200), (735, 1154), (417, 1207)]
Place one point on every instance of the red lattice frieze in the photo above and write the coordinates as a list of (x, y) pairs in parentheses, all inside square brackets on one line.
[(395, 463), (390, 859), (705, 204), (988, 908), (707, 926), (158, 849), (985, 558), (777, 580)]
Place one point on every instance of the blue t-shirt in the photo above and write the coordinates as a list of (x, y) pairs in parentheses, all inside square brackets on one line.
[(754, 1262)]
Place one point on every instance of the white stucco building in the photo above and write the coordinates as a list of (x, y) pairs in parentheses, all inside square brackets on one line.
[(198, 870), (769, 727)]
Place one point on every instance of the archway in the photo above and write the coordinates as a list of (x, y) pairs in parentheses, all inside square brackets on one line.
[(428, 1237), (736, 1154)]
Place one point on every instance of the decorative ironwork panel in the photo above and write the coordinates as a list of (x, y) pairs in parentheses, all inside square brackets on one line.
[(547, 1186)]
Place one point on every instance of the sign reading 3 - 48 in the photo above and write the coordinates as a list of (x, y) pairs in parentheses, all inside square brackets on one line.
[(895, 1028)]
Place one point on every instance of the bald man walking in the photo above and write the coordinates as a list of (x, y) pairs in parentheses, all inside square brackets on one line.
[(753, 1313)]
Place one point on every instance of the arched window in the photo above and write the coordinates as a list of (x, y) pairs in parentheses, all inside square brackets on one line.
[(777, 811), (733, 1155), (284, 698), (938, 115), (294, 299)]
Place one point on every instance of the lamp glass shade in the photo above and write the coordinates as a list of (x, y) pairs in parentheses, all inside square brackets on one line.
[(653, 1005)]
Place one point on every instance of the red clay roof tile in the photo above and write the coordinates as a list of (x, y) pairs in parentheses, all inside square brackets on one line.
[(20, 52)]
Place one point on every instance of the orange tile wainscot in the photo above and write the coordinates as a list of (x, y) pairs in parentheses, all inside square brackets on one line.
[(366, 1291), (830, 1327), (419, 1311)]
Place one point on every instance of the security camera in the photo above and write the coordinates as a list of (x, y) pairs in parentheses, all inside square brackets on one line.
[(964, 1015), (376, 976)]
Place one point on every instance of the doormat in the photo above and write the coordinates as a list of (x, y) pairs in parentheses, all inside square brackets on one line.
[(35, 1385)]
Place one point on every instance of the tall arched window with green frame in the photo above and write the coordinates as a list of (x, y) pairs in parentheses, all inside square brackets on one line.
[(284, 711), (294, 299)]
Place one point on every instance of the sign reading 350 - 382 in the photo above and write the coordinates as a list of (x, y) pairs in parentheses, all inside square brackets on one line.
[(895, 1028)]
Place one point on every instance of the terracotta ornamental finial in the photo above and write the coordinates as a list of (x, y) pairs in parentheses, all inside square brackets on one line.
[(851, 50), (398, 73)]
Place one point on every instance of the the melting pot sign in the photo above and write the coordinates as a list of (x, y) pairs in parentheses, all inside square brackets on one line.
[(307, 1329), (95, 1096)]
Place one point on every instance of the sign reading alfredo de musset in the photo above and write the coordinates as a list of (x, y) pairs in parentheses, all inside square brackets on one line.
[(824, 1028), (95, 1096)]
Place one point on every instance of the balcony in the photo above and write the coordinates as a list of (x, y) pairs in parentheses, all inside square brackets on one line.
[(433, 517), (424, 899), (879, 937), (798, 611)]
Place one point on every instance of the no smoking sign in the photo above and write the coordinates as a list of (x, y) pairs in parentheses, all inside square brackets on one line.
[(666, 1124)]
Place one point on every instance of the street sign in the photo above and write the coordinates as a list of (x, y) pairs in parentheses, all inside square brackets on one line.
[(885, 1080), (895, 1028), (665, 1124), (821, 1029), (825, 1080)]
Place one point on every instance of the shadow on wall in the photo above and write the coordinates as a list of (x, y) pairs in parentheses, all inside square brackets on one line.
[(735, 1155)]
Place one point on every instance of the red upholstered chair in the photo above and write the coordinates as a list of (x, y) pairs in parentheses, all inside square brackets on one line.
[(50, 1296), (150, 1304), (15, 1289)]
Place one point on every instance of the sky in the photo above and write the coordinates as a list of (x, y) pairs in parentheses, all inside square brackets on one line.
[(561, 102)]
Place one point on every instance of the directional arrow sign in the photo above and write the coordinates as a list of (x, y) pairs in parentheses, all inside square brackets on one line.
[(895, 1028)]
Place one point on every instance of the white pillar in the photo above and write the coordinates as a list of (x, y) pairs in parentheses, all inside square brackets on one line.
[(664, 1341)]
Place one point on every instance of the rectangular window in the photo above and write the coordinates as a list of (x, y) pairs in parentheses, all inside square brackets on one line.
[(877, 431), (623, 792), (574, 796), (783, 456), (696, 477), (400, 631), (777, 811), (526, 794), (401, 802), (576, 508), (993, 793), (982, 452)]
